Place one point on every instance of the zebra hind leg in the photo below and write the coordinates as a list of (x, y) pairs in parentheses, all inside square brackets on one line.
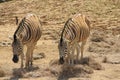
[(31, 54), (82, 48)]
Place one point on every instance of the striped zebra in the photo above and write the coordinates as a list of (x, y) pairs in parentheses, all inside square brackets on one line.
[(76, 30), (27, 33)]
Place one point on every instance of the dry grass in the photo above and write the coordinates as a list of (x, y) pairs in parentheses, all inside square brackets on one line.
[(87, 66), (92, 63)]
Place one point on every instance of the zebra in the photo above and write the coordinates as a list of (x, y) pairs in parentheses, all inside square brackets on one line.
[(28, 32), (76, 30)]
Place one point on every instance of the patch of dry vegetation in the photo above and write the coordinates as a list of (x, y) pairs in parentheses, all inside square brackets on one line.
[(87, 66)]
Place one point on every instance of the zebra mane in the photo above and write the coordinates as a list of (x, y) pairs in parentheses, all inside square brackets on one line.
[(15, 38), (61, 39)]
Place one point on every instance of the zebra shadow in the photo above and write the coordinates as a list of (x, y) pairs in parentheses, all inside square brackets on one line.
[(20, 73), (82, 69)]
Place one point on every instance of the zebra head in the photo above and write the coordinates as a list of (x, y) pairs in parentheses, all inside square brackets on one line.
[(17, 49), (62, 50)]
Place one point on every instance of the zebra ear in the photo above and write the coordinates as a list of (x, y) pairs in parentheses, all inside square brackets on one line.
[(11, 38), (16, 20), (15, 38)]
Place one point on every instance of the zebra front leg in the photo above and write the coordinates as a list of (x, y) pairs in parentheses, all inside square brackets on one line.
[(68, 55), (72, 54), (27, 57), (22, 57), (68, 58), (71, 50), (78, 52)]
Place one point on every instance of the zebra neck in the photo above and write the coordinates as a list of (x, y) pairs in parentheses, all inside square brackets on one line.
[(62, 34), (15, 37)]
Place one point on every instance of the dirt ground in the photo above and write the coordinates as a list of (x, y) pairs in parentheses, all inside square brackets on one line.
[(102, 53)]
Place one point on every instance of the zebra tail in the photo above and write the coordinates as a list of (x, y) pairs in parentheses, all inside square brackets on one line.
[(16, 20)]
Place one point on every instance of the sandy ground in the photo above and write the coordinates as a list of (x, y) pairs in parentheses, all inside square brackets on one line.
[(103, 44)]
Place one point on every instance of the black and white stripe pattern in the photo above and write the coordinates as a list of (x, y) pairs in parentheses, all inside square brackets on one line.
[(27, 33), (76, 30)]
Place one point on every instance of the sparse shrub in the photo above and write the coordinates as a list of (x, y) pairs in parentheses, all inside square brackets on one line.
[(92, 63)]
